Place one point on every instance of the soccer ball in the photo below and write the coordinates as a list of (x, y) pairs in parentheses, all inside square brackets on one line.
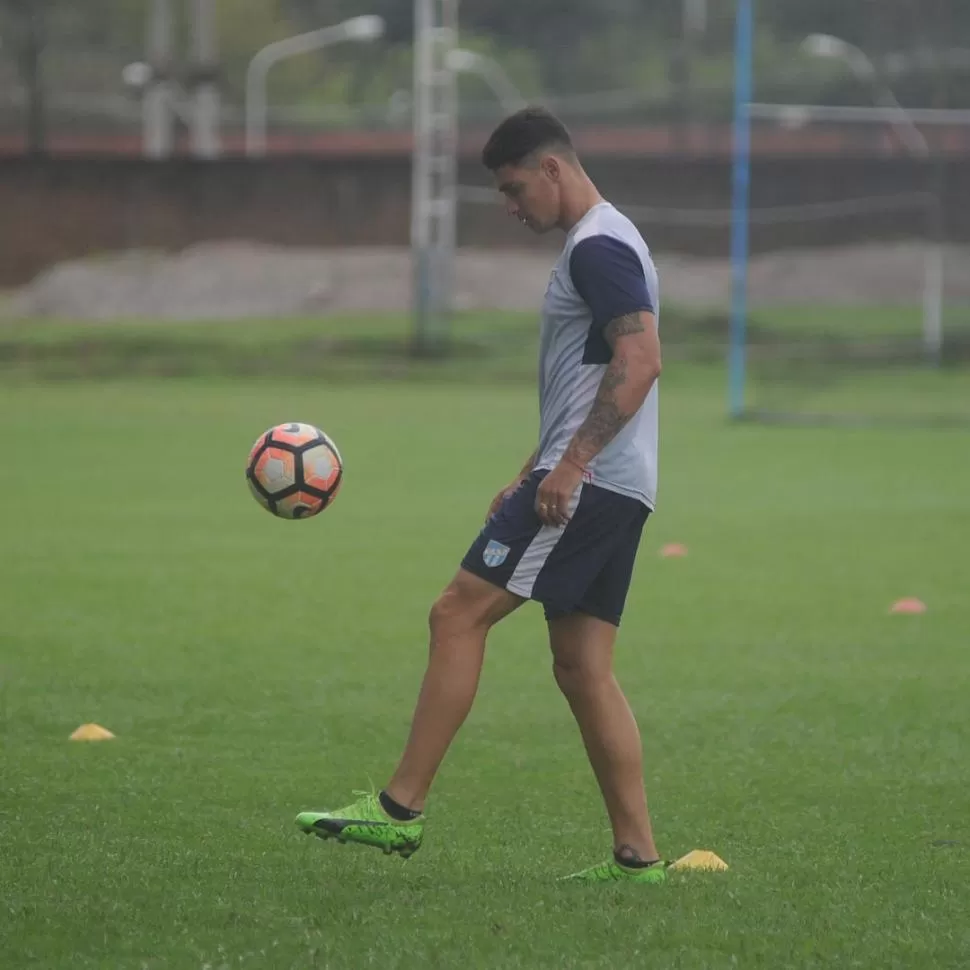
[(294, 471)]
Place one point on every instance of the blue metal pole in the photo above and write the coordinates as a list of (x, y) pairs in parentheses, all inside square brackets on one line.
[(741, 183)]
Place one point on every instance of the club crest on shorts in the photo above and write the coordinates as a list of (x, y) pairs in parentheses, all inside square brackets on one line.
[(495, 554)]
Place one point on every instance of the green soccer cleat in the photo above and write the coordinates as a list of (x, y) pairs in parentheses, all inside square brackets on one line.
[(365, 822), (613, 872)]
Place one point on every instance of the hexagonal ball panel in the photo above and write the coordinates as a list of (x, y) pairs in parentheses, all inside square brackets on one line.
[(333, 447), (321, 468), (275, 470)]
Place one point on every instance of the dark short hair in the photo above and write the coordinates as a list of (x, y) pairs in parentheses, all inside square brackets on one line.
[(523, 133)]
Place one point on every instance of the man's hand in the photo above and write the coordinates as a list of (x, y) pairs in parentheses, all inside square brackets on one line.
[(555, 493)]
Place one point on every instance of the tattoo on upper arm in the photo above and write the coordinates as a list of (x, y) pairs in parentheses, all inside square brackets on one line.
[(622, 326)]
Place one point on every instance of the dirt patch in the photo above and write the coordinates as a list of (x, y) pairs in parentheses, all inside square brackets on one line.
[(236, 280)]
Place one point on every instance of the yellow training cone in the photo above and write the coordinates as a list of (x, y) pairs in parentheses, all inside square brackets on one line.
[(701, 859), (91, 732)]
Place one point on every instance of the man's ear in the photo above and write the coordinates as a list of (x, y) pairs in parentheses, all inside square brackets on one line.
[(551, 167)]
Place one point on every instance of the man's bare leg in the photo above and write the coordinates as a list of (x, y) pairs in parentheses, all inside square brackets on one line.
[(391, 820), (460, 620), (582, 648)]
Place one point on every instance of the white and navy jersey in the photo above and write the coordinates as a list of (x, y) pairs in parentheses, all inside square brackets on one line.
[(605, 271)]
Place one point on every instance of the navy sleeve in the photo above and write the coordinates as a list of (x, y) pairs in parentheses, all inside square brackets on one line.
[(608, 275)]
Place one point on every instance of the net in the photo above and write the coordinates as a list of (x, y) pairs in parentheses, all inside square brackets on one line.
[(850, 297)]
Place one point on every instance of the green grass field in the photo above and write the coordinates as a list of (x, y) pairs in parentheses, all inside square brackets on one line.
[(251, 668)]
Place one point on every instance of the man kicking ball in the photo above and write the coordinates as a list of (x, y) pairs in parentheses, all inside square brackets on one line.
[(565, 532)]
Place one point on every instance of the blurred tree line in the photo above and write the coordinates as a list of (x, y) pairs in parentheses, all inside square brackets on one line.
[(610, 60)]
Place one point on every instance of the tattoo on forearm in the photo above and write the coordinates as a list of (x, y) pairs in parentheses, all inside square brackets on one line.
[(605, 419), (618, 397)]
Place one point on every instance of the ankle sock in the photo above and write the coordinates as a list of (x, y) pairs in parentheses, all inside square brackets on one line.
[(630, 863), (397, 811)]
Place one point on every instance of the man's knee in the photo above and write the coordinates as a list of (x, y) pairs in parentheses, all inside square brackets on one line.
[(582, 654), (577, 679), (448, 611), (468, 603), (568, 676)]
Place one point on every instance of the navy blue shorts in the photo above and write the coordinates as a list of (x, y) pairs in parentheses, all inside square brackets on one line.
[(585, 567)]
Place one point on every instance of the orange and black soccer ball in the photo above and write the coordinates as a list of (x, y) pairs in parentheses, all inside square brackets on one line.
[(294, 471)]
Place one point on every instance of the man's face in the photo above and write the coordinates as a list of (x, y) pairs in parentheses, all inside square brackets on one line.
[(532, 192)]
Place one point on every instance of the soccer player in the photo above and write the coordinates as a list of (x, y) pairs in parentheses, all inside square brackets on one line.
[(565, 531)]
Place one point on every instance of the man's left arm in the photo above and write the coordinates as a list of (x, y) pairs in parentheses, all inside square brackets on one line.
[(609, 276), (632, 371)]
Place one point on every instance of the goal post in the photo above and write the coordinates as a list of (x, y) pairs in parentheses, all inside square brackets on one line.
[(920, 337)]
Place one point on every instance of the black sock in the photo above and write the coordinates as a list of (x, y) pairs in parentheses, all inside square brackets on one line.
[(397, 811), (632, 861)]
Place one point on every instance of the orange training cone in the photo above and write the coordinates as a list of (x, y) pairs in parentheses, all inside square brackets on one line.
[(908, 605), (673, 550)]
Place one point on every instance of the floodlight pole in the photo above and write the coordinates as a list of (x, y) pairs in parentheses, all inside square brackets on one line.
[(433, 172), (363, 28), (158, 119), (491, 72), (206, 111)]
